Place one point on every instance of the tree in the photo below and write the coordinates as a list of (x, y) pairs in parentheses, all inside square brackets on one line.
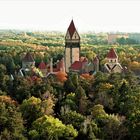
[(111, 126), (121, 41), (88, 130), (81, 99), (98, 111), (103, 95), (21, 89), (61, 76), (70, 102), (50, 128), (11, 122), (74, 118), (4, 78), (33, 108), (69, 86)]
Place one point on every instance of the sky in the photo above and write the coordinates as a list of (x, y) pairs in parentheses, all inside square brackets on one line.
[(55, 15)]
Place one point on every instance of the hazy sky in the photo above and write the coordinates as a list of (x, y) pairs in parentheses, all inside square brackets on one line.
[(88, 15)]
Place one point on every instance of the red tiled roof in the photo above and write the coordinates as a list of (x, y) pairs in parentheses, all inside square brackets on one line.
[(112, 54), (71, 28), (77, 65), (28, 57), (42, 65)]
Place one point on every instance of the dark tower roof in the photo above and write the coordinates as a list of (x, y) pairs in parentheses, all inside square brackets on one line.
[(71, 28), (112, 54), (28, 58)]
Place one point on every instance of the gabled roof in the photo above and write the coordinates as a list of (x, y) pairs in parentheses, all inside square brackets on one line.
[(77, 65), (112, 54), (71, 28), (42, 65), (28, 57)]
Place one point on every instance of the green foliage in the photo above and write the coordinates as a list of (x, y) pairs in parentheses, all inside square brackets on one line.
[(124, 41), (98, 111), (74, 118), (21, 89), (69, 85), (37, 108), (111, 126), (11, 122), (31, 106), (88, 130), (88, 105), (70, 101), (81, 99), (4, 79), (51, 128)]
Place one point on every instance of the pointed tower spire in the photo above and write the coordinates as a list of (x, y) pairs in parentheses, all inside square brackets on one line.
[(112, 54), (71, 28)]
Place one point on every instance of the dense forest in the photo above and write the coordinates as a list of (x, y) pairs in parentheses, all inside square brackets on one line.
[(68, 106)]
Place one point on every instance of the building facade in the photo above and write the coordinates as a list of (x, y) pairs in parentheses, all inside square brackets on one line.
[(112, 38), (28, 61), (112, 65)]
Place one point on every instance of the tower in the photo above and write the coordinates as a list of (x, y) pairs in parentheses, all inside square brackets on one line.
[(113, 66), (28, 61), (72, 46), (96, 64)]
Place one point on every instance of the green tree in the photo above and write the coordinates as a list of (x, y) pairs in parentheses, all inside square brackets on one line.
[(51, 128), (34, 108), (98, 111), (4, 78), (11, 122), (74, 118), (111, 126), (70, 101), (21, 89), (81, 99), (69, 86), (88, 130), (31, 110)]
